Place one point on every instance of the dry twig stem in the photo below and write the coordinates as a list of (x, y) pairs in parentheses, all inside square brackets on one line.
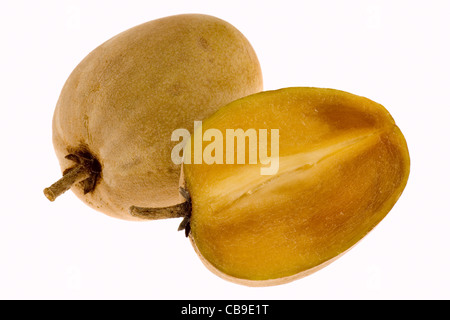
[(177, 211), (72, 176)]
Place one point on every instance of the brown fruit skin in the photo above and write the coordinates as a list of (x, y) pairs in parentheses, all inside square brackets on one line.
[(343, 164), (123, 101)]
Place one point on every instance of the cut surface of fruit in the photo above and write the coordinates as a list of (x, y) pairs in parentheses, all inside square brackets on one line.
[(342, 165)]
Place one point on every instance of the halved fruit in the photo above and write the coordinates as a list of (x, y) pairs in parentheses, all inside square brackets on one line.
[(334, 165)]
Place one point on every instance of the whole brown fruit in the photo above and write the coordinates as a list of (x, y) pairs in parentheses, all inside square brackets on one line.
[(114, 118)]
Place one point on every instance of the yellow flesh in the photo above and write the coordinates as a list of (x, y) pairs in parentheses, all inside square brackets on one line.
[(343, 165)]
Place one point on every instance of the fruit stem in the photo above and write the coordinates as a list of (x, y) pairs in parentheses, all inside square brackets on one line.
[(177, 211), (70, 177)]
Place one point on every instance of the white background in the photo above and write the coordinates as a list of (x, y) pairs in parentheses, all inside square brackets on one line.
[(394, 52)]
